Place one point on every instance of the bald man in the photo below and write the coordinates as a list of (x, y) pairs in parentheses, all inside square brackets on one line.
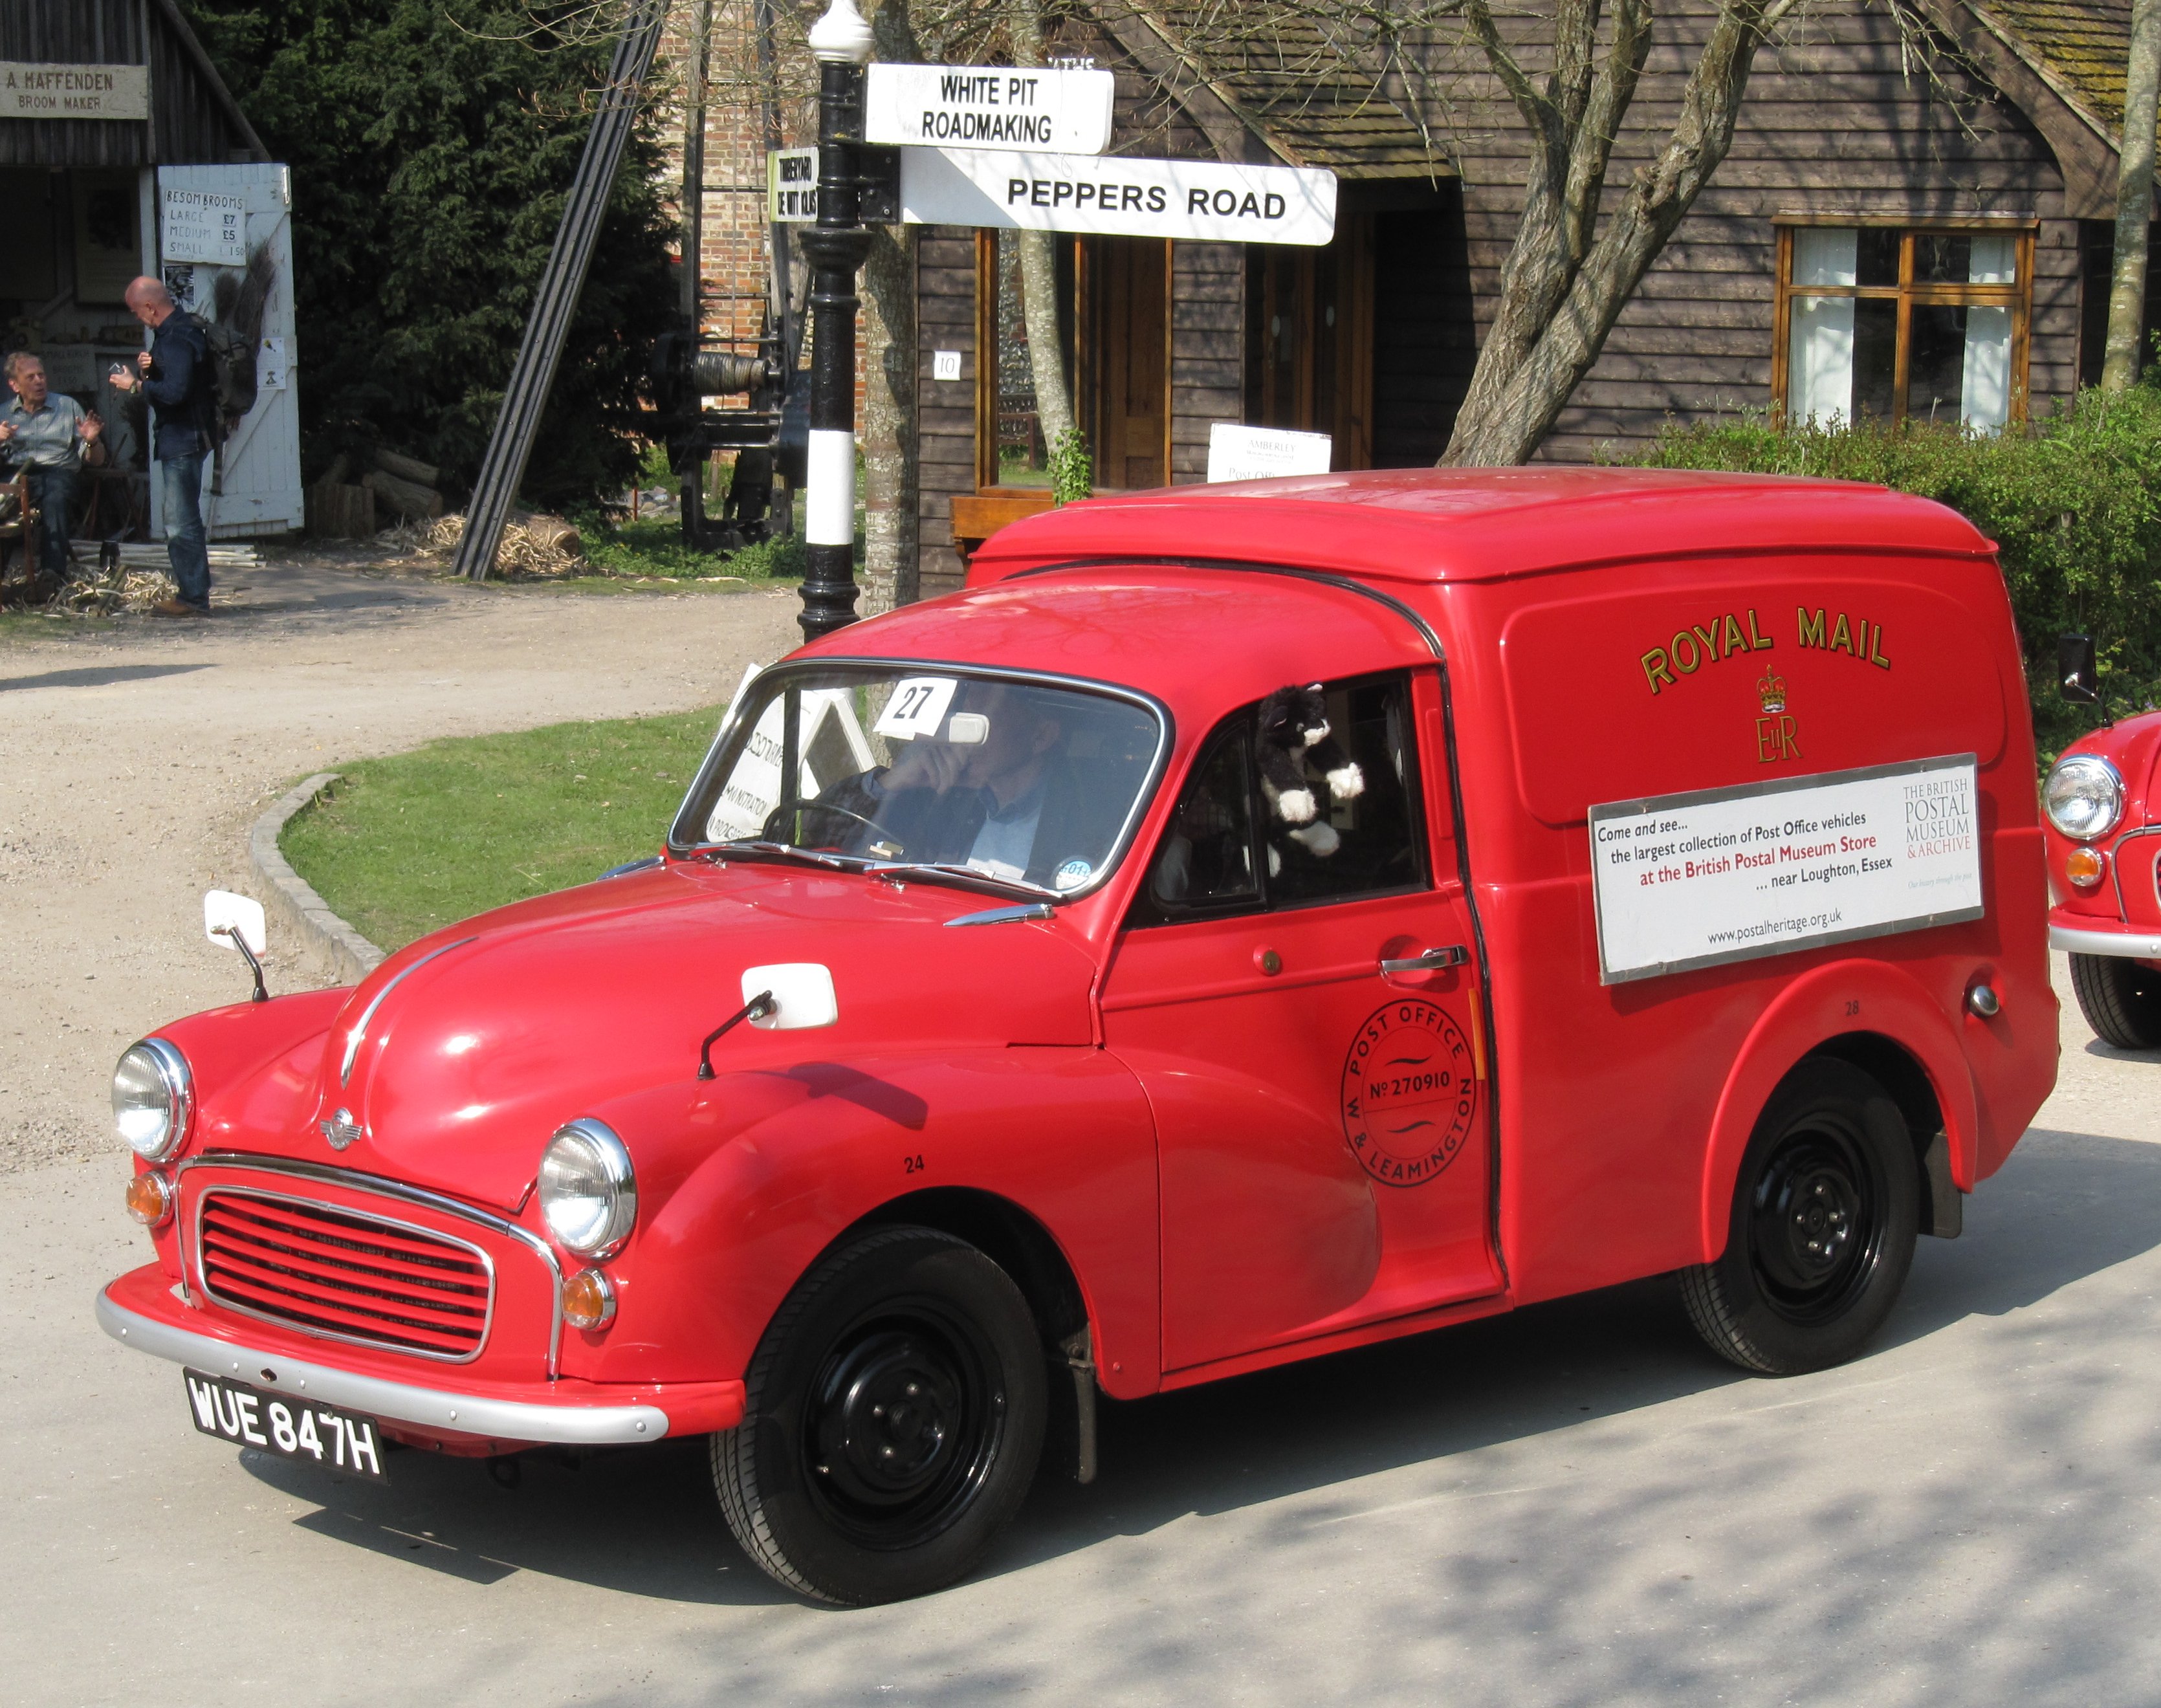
[(175, 373)]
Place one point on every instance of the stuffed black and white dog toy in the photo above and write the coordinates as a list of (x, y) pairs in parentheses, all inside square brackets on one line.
[(1293, 738)]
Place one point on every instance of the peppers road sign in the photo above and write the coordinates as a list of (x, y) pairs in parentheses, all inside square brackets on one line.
[(1011, 107), (1199, 200)]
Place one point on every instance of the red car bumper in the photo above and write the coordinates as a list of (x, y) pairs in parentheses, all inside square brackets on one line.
[(142, 1309)]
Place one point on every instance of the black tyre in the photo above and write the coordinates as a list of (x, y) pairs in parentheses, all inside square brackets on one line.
[(1824, 1216), (2121, 1000), (893, 1421)]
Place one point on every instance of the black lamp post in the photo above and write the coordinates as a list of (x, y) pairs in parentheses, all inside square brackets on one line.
[(840, 43)]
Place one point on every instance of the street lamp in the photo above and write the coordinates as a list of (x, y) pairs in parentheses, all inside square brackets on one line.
[(840, 43)]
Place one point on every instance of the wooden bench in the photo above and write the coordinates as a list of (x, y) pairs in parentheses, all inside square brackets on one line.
[(976, 519), (19, 543)]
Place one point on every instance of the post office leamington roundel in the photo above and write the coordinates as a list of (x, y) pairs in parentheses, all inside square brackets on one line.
[(1409, 1093)]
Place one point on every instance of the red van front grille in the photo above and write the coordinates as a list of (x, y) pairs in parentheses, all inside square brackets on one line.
[(337, 1273)]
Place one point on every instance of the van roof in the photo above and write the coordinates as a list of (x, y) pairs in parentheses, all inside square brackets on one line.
[(1480, 525)]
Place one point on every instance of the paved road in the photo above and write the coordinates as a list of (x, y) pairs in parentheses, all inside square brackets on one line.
[(1575, 1505)]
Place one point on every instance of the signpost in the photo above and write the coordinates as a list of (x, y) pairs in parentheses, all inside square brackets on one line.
[(989, 106), (1198, 200), (1013, 148)]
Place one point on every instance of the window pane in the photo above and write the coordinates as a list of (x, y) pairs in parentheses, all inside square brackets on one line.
[(1820, 359), (1824, 255), (1369, 842), (1206, 860), (1941, 257), (1876, 256), (1935, 372), (1986, 385), (1995, 259), (1875, 359), (1023, 458)]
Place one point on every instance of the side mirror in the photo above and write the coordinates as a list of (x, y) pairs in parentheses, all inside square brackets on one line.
[(802, 995), (237, 922), (2077, 677)]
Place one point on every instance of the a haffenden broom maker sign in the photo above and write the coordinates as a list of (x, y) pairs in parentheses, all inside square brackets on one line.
[(1730, 874), (73, 91), (988, 106), (1198, 200)]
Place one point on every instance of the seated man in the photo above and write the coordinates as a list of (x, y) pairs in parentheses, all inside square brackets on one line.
[(991, 790), (50, 436)]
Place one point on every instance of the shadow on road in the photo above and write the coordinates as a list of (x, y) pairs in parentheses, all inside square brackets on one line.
[(644, 1521), (103, 676)]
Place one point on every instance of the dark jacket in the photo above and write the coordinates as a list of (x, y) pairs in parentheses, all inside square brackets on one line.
[(941, 828), (182, 388)]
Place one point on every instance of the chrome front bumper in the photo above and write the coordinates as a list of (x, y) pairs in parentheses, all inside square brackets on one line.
[(2135, 945), (394, 1402)]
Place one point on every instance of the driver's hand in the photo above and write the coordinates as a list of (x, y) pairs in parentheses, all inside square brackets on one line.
[(925, 764)]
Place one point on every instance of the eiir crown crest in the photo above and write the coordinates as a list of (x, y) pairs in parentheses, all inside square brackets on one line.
[(1771, 690)]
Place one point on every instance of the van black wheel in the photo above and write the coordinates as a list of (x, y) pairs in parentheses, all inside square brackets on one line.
[(2121, 1000), (1824, 1216), (893, 1421)]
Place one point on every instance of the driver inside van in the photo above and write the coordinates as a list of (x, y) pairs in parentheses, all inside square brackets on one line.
[(991, 789)]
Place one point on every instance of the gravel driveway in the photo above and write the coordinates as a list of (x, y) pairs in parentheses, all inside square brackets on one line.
[(139, 752), (1574, 1505)]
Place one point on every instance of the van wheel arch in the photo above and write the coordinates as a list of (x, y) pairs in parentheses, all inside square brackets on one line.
[(1018, 1243), (1895, 1068)]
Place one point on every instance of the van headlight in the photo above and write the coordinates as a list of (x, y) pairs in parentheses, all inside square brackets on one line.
[(588, 1193), (153, 1096), (2083, 796)]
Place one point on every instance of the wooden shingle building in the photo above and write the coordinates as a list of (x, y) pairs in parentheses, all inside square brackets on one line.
[(1893, 234), (123, 152)]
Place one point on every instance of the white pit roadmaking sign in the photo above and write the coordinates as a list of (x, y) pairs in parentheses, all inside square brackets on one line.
[(1008, 107), (1197, 201)]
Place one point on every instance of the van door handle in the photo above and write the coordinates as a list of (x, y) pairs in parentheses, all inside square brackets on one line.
[(1455, 955)]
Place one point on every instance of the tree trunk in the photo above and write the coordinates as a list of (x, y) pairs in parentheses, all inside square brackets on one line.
[(1561, 292), (2134, 201), (1039, 268), (890, 466)]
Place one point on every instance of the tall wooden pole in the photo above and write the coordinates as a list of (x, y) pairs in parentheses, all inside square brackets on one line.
[(2134, 200), (534, 371), (694, 233)]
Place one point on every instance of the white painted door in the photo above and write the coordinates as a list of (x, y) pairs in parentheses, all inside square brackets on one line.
[(203, 235)]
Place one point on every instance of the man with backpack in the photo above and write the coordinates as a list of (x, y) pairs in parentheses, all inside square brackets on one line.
[(176, 375)]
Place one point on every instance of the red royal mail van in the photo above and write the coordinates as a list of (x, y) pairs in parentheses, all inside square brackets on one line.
[(1245, 922)]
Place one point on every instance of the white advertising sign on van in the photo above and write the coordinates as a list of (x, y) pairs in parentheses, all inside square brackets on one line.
[(1694, 880), (989, 106), (1198, 200)]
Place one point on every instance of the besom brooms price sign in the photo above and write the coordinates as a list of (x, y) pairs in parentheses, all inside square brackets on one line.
[(1717, 875)]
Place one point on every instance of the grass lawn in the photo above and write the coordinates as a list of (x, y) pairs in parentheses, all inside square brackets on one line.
[(424, 839)]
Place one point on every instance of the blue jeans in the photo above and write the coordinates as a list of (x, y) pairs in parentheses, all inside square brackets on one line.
[(52, 491), (184, 543)]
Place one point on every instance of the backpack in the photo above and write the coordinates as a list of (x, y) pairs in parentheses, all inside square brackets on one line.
[(231, 368)]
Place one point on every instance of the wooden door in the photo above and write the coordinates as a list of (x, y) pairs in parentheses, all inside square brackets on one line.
[(1128, 285)]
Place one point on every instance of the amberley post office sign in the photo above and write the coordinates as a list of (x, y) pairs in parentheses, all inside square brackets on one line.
[(73, 91)]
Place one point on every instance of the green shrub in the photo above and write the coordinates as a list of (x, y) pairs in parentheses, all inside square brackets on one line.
[(2073, 503)]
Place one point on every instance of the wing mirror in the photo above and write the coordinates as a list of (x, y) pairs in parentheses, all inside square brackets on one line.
[(2077, 676), (794, 996), (237, 922)]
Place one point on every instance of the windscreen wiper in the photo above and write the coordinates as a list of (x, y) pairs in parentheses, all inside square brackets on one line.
[(965, 877), (789, 850)]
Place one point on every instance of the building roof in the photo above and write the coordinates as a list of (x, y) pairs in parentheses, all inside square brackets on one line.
[(2081, 46), (1290, 84)]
